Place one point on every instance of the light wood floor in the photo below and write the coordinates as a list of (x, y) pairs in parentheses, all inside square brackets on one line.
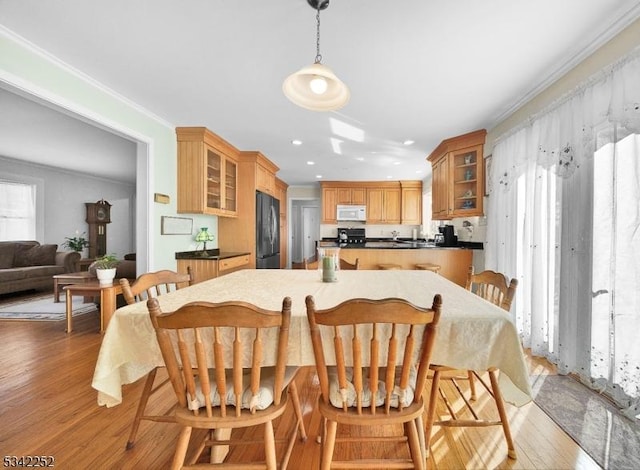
[(47, 407)]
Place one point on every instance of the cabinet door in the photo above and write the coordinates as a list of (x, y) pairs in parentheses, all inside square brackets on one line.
[(392, 206), (467, 181), (230, 186), (375, 204), (265, 180), (344, 195), (214, 179), (329, 205), (440, 192), (358, 196), (201, 270), (412, 205)]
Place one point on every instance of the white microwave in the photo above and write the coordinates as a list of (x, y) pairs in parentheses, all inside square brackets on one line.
[(351, 214)]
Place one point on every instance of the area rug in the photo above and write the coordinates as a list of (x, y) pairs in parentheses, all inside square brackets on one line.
[(610, 438), (44, 309)]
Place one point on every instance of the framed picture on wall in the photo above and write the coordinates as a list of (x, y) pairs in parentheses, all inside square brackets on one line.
[(176, 226)]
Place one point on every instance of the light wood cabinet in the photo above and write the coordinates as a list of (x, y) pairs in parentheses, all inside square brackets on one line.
[(204, 269), (458, 178), (411, 202), (352, 196), (329, 205), (281, 195), (256, 173), (384, 204), (387, 202), (207, 173)]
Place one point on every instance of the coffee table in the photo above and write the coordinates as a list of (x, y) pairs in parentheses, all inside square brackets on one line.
[(107, 295), (79, 277)]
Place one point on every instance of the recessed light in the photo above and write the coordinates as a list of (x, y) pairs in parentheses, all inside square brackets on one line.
[(408, 142), (318, 176), (360, 159), (389, 177), (296, 142), (397, 163), (311, 163)]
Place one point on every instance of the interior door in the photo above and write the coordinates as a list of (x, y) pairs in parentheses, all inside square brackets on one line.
[(310, 231)]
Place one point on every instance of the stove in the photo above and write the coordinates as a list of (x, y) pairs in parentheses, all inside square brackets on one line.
[(351, 236)]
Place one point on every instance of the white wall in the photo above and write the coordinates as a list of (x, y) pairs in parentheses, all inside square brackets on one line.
[(63, 210)]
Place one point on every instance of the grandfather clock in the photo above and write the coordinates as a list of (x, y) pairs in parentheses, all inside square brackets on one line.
[(98, 216)]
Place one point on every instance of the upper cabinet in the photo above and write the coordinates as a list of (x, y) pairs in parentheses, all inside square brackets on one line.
[(383, 204), (281, 195), (207, 173), (411, 202), (387, 202), (458, 179)]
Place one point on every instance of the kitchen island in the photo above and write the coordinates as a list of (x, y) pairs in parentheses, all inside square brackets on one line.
[(454, 261)]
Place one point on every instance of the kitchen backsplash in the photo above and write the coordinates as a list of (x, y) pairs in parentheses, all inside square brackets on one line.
[(472, 229)]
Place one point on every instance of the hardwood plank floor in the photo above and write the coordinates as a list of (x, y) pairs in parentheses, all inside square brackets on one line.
[(47, 407)]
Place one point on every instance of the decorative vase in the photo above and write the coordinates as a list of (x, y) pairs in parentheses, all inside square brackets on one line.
[(105, 276)]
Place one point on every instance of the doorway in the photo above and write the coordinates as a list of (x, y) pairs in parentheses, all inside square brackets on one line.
[(305, 228)]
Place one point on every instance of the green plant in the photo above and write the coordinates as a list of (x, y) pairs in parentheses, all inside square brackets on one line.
[(77, 243), (106, 262)]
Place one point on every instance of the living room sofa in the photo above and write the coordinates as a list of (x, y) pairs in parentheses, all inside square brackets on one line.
[(26, 265)]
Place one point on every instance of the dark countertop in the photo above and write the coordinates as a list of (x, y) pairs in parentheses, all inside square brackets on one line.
[(386, 243), (213, 253)]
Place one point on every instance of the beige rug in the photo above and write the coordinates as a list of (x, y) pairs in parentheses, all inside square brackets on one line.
[(44, 309)]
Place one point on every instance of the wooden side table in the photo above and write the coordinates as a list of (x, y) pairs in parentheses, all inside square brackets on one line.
[(107, 300), (60, 280)]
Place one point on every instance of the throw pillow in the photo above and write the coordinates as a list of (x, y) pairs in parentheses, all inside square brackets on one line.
[(39, 255), (6, 255)]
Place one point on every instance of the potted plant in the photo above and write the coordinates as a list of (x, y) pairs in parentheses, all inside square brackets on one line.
[(77, 243), (106, 269)]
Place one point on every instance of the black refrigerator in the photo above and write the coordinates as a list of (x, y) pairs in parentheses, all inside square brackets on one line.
[(267, 231)]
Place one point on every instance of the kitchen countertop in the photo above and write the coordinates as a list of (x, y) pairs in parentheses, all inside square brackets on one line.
[(212, 254), (371, 243)]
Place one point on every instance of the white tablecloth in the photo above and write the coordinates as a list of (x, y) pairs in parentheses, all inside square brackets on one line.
[(472, 334)]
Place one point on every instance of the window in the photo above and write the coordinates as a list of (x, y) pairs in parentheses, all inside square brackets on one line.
[(17, 211)]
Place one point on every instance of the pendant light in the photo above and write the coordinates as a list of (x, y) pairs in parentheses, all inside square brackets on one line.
[(316, 87)]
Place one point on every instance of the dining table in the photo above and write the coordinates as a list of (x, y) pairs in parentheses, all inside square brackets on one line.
[(472, 334)]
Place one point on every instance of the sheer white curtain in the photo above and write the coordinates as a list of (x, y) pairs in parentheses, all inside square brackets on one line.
[(564, 218)]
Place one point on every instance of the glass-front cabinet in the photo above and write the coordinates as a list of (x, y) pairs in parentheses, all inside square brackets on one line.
[(458, 176), (207, 173)]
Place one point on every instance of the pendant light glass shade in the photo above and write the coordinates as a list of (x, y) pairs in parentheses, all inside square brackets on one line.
[(304, 88)]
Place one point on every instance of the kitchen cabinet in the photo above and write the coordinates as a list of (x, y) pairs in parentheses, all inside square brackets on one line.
[(384, 204), (281, 195), (207, 173), (205, 268), (458, 178), (329, 205), (356, 196), (411, 202), (257, 173)]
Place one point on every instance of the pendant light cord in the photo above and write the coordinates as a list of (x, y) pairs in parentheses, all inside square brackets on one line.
[(318, 55)]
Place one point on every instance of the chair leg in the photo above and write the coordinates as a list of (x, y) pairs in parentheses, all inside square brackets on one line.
[(293, 391), (503, 414), (415, 447), (270, 446), (142, 405), (181, 448), (472, 385), (423, 448), (328, 444), (431, 411)]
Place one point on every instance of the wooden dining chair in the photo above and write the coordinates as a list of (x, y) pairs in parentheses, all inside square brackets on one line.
[(215, 355), (344, 264), (311, 264), (382, 350), (495, 288), (145, 287)]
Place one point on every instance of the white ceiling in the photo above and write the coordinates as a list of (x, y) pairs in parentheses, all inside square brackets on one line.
[(417, 69)]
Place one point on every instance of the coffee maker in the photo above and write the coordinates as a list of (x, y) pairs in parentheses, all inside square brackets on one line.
[(448, 238)]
